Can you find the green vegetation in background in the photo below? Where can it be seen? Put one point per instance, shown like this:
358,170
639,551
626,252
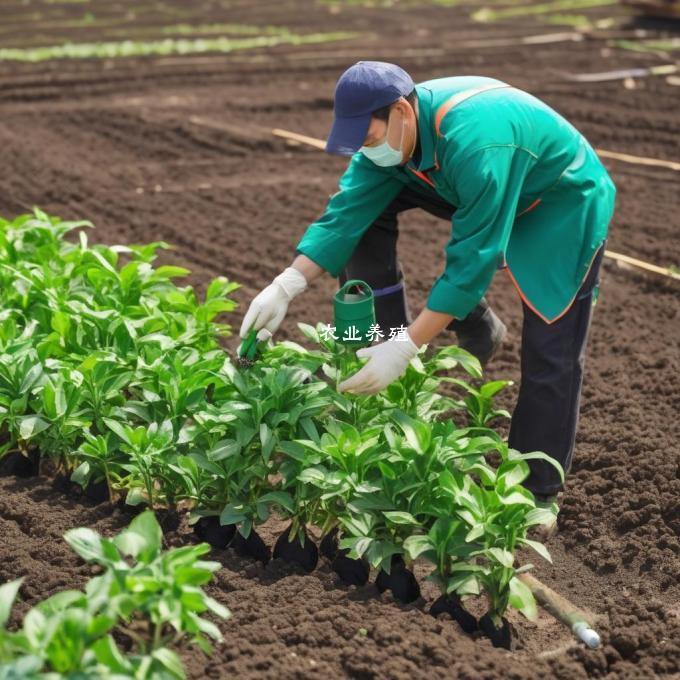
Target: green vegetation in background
410,4
234,29
88,19
574,20
397,4
578,21
140,33
485,14
138,48
655,46
506,9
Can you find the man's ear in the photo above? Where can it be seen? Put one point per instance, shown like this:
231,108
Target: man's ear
402,106
406,111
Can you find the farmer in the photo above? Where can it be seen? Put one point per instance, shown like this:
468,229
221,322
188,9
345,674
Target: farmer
525,192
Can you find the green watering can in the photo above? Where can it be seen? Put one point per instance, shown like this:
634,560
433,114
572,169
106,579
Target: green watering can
354,313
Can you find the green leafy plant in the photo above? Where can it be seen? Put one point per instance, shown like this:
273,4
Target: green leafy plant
148,449
322,474
473,543
406,486
479,403
117,374
152,598
280,405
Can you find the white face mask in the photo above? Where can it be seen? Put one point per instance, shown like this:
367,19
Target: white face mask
383,154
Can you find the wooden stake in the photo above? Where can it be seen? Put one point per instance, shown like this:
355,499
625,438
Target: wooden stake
639,160
642,265
662,70
555,603
302,139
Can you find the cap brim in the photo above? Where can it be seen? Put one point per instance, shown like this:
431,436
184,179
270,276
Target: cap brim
348,134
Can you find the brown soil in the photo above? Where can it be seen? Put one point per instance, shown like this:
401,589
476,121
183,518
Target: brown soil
180,149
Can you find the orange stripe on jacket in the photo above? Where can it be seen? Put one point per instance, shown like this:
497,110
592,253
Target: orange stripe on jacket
530,208
567,308
441,112
422,176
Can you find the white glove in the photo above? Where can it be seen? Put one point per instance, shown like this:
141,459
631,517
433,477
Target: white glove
386,362
269,307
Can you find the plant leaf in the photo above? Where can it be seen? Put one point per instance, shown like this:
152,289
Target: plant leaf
504,557
31,426
416,545
538,547
398,517
142,539
87,543
170,661
8,593
522,598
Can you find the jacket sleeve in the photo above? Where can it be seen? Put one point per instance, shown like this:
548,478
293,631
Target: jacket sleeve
488,183
365,191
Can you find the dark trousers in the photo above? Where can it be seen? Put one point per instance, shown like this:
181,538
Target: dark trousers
552,356
375,261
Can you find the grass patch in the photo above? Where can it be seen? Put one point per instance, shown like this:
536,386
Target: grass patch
485,14
655,46
573,20
169,46
232,29
397,4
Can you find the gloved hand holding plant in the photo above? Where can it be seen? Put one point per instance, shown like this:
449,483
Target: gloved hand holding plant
269,307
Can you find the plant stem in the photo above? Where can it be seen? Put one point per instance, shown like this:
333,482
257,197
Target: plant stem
158,630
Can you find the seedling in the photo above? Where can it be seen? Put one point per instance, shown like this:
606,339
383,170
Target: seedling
152,598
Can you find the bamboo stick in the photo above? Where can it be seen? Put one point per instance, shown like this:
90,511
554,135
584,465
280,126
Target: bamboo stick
303,139
627,259
662,70
576,619
639,160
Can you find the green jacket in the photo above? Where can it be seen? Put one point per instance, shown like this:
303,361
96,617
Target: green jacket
529,191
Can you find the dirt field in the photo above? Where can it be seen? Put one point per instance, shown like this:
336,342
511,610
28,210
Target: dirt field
179,148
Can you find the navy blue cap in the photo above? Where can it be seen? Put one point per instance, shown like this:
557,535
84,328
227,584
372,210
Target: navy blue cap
362,89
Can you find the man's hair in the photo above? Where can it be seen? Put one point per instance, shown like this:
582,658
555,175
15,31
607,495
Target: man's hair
383,113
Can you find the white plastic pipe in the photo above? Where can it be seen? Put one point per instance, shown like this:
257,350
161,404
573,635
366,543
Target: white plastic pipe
586,634
569,614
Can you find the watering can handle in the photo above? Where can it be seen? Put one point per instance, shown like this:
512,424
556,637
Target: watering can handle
355,282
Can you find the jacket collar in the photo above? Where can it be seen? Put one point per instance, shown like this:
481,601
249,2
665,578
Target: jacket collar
426,132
